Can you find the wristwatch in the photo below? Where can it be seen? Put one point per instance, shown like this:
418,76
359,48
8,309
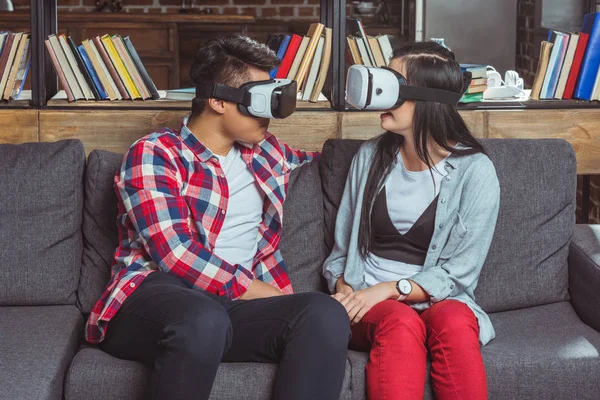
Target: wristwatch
404,287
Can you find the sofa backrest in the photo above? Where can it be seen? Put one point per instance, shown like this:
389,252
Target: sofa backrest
41,202
302,243
527,262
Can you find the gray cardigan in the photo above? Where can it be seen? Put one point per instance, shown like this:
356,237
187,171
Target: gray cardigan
465,221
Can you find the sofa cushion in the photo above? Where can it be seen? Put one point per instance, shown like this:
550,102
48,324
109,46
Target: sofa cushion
41,202
37,345
527,262
95,375
543,352
302,242
99,226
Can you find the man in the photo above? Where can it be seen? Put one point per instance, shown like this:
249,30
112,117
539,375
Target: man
198,277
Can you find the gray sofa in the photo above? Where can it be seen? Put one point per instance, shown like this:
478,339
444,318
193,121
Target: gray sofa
540,284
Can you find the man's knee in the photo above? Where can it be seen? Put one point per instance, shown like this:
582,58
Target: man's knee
326,317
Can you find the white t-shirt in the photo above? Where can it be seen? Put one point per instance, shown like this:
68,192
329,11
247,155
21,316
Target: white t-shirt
408,194
238,240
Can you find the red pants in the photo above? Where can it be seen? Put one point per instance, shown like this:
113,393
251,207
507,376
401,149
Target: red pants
398,338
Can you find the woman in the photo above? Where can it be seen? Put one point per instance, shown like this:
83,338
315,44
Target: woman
412,233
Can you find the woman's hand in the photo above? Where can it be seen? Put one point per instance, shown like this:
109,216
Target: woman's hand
357,304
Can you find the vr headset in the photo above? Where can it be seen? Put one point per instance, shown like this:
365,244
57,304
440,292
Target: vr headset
273,98
376,88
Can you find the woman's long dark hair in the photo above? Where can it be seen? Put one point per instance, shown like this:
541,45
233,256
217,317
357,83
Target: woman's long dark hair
427,64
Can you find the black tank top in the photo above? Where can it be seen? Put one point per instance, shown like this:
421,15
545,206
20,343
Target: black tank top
411,247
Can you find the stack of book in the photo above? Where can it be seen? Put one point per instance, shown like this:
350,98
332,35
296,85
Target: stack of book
373,51
15,58
304,59
102,68
478,83
569,64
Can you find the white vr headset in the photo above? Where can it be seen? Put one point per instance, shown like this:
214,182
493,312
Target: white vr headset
272,98
376,88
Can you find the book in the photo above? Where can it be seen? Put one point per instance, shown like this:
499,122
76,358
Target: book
96,61
120,67
596,89
357,29
19,54
298,58
141,69
85,89
131,68
10,61
288,58
324,67
477,70
386,48
567,64
274,41
591,59
545,51
559,50
3,36
476,89
280,53
111,68
576,67
102,95
59,72
64,64
185,94
377,53
353,48
314,70
362,50
314,33
22,72
4,57
479,81
84,70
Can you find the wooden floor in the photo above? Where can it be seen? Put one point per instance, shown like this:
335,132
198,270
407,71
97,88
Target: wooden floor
115,130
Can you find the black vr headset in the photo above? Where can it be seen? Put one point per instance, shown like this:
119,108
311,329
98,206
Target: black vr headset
376,88
272,98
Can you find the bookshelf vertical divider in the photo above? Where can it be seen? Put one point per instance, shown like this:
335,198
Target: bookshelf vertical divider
333,15
43,79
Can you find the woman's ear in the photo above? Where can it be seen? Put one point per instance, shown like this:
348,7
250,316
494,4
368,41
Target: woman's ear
217,105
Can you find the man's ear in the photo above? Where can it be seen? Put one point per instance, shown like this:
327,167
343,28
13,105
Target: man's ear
217,105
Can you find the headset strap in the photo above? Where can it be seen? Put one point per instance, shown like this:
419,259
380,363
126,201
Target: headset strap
223,92
429,94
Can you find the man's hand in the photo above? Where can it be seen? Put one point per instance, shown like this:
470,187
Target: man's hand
258,290
357,304
341,287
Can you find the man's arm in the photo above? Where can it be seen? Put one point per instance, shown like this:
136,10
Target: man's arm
149,189
293,156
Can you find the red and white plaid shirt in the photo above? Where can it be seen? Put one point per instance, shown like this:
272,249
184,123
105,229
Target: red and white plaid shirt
172,196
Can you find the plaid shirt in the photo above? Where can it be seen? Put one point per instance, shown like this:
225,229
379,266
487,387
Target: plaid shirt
172,196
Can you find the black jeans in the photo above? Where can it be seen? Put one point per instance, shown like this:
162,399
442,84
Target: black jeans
185,333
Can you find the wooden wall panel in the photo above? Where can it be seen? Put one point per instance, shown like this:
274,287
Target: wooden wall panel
18,126
365,125
579,127
115,130
112,130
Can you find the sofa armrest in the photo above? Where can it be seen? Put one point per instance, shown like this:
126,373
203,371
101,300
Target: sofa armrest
584,273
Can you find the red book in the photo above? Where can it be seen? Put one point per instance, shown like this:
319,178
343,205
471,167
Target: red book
288,58
574,74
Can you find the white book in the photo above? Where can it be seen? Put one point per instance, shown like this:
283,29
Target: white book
107,74
362,49
10,61
298,58
386,48
596,89
64,65
566,69
85,88
314,70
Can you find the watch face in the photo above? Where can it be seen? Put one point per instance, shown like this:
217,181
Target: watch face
404,286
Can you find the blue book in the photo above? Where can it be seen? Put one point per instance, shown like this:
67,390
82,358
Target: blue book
591,60
92,71
557,58
280,53
20,90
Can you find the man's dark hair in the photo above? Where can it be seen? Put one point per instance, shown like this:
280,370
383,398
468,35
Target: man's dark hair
226,61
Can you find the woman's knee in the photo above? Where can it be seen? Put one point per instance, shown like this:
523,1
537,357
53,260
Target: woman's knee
397,318
450,316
